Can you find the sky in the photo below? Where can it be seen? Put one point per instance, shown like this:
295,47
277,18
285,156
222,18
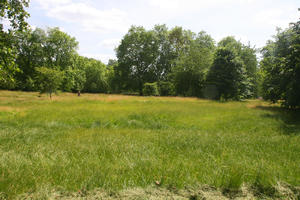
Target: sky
99,25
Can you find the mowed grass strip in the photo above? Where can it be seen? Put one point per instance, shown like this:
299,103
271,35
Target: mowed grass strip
117,142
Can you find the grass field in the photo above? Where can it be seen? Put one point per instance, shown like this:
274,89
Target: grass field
115,143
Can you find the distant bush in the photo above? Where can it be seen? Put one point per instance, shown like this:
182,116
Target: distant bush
150,89
166,88
130,92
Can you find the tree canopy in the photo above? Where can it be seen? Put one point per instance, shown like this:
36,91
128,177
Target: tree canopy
14,12
280,67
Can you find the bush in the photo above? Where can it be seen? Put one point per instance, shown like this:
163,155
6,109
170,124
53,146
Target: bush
166,88
150,89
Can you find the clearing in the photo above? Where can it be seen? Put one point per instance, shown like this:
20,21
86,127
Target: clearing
128,147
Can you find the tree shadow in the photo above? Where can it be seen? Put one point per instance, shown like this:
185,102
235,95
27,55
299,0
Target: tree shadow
290,119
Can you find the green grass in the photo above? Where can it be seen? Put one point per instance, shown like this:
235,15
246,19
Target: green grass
116,142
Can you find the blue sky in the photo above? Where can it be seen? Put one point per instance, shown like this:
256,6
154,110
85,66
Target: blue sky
100,25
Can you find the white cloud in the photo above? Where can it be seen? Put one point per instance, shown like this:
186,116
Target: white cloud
46,4
110,43
192,5
102,57
277,17
245,19
88,17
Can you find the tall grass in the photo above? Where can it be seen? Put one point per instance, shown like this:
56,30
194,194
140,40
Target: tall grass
117,142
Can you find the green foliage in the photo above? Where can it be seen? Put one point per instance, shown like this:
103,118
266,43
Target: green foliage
113,84
166,88
247,55
45,48
14,12
59,48
136,55
29,85
68,82
74,80
234,72
181,57
79,79
280,67
49,80
191,67
8,67
148,56
31,54
162,55
177,58
96,80
226,74
150,89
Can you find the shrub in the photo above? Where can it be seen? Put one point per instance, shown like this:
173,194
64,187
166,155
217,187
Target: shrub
150,89
166,88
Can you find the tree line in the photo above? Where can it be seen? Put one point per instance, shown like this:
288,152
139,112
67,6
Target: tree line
160,61
184,63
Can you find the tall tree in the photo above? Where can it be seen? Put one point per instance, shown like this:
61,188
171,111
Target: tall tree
14,12
136,58
192,66
280,67
51,48
59,48
165,57
149,56
31,54
95,73
226,74
247,55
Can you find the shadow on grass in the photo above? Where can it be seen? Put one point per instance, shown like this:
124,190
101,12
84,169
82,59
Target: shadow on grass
289,119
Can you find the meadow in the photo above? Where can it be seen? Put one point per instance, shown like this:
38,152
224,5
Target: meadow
115,143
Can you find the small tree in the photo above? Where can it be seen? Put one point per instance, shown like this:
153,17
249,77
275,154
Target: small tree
79,80
49,80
